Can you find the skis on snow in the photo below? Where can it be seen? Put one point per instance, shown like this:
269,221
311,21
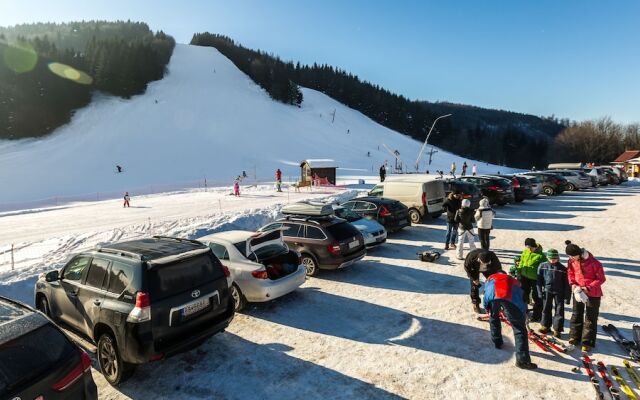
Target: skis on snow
628,345
632,373
623,384
544,342
586,361
604,374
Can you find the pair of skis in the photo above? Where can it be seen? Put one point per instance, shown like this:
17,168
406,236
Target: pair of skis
629,346
612,391
544,342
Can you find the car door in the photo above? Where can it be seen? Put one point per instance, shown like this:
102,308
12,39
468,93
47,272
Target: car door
65,295
91,294
293,235
221,251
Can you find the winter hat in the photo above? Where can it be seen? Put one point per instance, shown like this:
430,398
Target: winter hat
484,202
552,253
466,203
530,242
572,249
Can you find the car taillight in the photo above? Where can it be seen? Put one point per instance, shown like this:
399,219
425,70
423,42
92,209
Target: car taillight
260,274
226,271
156,357
334,249
384,211
142,311
496,188
515,183
76,373
424,199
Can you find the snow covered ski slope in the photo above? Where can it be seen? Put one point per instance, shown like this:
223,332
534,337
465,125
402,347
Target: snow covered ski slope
204,119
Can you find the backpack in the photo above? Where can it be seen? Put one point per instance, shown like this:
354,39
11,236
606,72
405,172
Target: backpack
428,256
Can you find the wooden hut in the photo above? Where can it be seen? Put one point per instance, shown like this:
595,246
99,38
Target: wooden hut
322,171
629,160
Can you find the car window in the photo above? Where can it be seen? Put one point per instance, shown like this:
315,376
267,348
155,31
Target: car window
119,277
350,205
377,190
314,233
360,206
97,272
272,226
220,251
293,230
73,271
370,206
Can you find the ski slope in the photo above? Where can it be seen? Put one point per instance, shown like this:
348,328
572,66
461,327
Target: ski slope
205,119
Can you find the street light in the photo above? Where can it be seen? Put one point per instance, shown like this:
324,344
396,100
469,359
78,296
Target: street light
427,139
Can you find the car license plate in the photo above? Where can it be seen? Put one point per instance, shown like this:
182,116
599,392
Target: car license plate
354,244
195,307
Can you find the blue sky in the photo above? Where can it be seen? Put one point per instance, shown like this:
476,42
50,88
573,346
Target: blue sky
575,59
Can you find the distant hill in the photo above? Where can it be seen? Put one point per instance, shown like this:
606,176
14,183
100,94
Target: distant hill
495,136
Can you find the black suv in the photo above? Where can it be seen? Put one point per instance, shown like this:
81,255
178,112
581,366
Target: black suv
468,191
497,190
390,213
324,242
37,361
139,301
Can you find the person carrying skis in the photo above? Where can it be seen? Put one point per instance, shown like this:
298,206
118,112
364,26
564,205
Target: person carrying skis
474,170
478,262
279,180
484,220
236,187
126,199
502,293
451,205
586,277
453,169
464,168
554,290
530,259
464,218
383,172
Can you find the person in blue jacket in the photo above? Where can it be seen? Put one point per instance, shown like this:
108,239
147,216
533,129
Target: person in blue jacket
503,294
554,290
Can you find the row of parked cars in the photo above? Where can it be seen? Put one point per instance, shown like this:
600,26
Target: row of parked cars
145,300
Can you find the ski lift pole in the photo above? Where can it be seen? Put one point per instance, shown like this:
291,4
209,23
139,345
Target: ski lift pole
427,139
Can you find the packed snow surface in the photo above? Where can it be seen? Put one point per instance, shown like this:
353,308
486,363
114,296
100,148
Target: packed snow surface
204,120
388,327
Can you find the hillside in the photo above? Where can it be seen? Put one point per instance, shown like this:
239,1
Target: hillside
204,119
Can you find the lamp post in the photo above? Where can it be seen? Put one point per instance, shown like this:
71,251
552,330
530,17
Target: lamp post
427,139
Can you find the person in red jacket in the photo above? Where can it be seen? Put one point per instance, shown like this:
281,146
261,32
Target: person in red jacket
586,277
279,180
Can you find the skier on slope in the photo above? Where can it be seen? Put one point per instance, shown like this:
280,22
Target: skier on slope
453,169
554,290
478,262
503,293
464,168
236,187
474,170
464,218
383,172
586,277
279,180
126,199
530,259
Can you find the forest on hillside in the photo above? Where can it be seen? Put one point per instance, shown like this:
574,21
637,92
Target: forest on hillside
496,136
48,70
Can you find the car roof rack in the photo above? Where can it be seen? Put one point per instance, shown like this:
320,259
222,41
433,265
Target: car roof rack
308,218
308,208
181,240
119,252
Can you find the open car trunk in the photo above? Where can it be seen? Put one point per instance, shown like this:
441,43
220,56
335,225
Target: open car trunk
269,249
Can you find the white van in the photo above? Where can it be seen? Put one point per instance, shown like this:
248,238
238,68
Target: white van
422,194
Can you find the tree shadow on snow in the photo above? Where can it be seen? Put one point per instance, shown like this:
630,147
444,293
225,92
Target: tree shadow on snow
329,314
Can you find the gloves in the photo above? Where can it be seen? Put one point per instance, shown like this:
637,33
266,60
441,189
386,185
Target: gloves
580,295
513,271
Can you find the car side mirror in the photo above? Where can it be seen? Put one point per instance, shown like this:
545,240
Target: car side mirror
52,276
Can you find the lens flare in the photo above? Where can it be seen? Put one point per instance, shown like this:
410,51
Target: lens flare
20,58
67,72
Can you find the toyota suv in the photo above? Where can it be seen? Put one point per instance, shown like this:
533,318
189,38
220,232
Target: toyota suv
139,301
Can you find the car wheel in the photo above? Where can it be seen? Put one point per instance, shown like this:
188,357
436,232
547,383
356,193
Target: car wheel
414,216
310,265
113,368
238,298
548,190
43,306
571,187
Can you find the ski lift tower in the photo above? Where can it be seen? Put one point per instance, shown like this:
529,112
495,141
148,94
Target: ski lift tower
427,139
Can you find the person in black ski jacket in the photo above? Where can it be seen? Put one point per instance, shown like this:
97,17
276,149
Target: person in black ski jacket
383,172
553,287
464,218
480,261
451,205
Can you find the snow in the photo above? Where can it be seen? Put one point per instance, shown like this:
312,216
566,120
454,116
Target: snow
204,125
387,327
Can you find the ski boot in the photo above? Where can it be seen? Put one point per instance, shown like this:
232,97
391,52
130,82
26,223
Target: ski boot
543,330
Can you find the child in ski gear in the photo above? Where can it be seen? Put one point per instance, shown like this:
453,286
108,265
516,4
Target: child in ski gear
279,180
530,259
451,205
474,170
464,218
554,290
126,199
236,187
503,293
484,220
585,275
383,172
478,262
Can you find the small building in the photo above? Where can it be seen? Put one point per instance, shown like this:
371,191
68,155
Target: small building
323,170
630,161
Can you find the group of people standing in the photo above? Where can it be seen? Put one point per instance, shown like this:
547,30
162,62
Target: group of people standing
460,220
452,171
540,280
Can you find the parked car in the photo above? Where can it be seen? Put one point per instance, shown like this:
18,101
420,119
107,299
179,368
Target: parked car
595,175
521,187
390,213
261,265
599,173
323,240
468,190
497,190
422,194
615,175
37,360
374,234
551,184
139,301
536,184
619,170
576,179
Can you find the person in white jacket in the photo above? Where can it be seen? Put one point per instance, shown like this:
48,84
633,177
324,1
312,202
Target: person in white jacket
484,220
